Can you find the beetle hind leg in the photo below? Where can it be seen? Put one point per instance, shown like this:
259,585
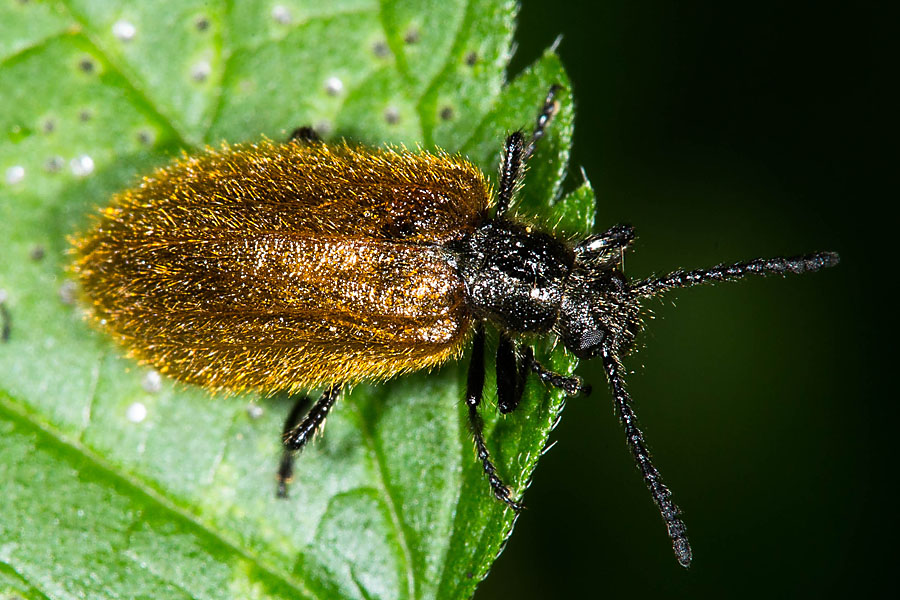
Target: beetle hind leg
512,373
297,432
286,466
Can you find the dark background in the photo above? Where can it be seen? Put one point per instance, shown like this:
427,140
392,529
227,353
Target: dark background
724,132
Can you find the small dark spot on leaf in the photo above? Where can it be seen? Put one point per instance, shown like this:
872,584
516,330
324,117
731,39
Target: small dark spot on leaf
86,65
380,49
392,115
145,137
471,58
447,113
54,164
201,24
48,126
37,252
412,36
85,116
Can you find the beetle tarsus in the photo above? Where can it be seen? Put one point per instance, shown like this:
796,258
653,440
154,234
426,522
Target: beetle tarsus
571,385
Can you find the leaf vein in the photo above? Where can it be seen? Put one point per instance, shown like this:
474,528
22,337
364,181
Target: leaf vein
390,501
181,136
23,578
151,494
35,46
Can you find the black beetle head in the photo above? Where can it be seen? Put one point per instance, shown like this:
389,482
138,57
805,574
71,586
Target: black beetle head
597,309
598,306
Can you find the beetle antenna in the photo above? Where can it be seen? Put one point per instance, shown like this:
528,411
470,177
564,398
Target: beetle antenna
671,514
760,266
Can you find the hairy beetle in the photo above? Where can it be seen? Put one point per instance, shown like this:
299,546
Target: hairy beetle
302,265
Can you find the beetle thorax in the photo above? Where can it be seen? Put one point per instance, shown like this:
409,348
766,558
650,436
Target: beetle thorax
514,276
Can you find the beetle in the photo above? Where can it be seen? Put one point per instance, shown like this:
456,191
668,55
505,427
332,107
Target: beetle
302,265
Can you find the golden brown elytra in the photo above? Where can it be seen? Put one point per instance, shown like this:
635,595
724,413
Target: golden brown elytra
286,266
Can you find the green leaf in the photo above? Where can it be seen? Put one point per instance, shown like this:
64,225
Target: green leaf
98,502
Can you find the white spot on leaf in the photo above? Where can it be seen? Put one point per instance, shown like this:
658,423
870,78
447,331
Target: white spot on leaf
124,30
15,174
136,413
334,86
82,165
152,382
201,70
281,14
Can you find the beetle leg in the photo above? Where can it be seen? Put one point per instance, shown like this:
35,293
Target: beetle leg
611,241
296,436
571,385
512,372
305,134
546,114
510,171
474,390
516,152
286,467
